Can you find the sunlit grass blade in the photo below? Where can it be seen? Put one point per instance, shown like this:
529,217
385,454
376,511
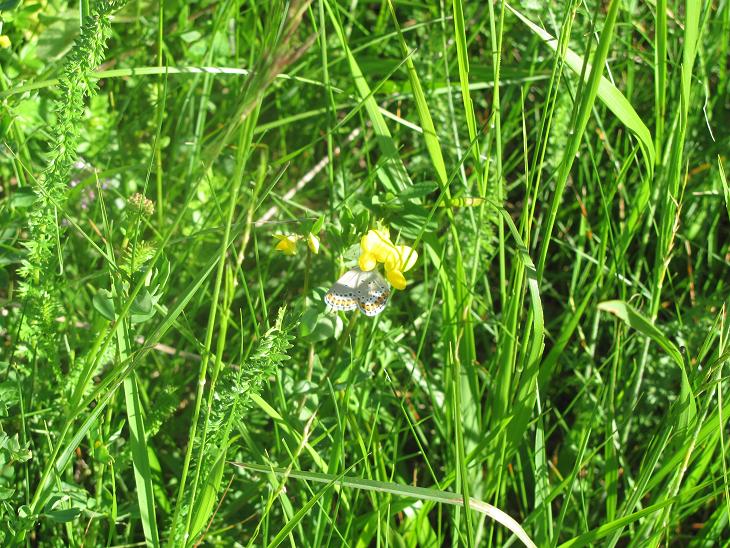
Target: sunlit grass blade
421,493
660,72
590,538
608,93
392,174
523,395
725,187
107,387
430,135
142,472
544,528
463,64
635,320
559,350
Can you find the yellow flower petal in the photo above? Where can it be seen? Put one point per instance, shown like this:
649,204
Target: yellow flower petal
367,262
386,253
383,234
396,279
287,243
368,242
313,243
407,257
374,239
377,247
391,262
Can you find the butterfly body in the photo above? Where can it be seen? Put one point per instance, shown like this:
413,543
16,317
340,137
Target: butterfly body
367,291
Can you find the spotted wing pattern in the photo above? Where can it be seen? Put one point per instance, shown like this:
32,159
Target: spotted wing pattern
367,291
343,295
373,294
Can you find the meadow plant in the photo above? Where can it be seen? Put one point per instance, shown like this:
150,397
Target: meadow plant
341,273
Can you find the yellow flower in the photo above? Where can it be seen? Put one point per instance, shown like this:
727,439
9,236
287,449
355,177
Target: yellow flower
367,262
287,243
377,243
399,262
404,258
4,41
396,278
376,247
313,243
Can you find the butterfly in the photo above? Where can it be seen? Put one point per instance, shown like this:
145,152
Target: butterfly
367,291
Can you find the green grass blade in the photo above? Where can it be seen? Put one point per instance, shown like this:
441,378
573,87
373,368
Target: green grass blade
544,526
635,320
660,72
393,173
725,187
421,493
140,461
430,135
112,381
463,63
609,94
157,71
526,394
207,497
590,538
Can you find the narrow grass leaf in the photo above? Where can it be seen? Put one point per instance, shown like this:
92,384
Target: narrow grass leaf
421,493
609,94
205,501
106,389
140,461
393,174
635,320
725,187
462,56
430,135
590,538
526,392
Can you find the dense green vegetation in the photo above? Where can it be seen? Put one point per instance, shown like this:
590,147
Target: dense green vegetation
181,183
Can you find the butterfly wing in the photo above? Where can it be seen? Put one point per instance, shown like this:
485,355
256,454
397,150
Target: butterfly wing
343,294
367,291
372,293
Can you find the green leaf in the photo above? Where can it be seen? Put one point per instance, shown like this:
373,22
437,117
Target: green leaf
725,188
59,36
590,538
392,173
9,5
106,390
418,190
424,114
634,319
104,303
25,512
315,326
23,198
63,515
203,506
318,225
526,396
140,458
412,220
142,308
